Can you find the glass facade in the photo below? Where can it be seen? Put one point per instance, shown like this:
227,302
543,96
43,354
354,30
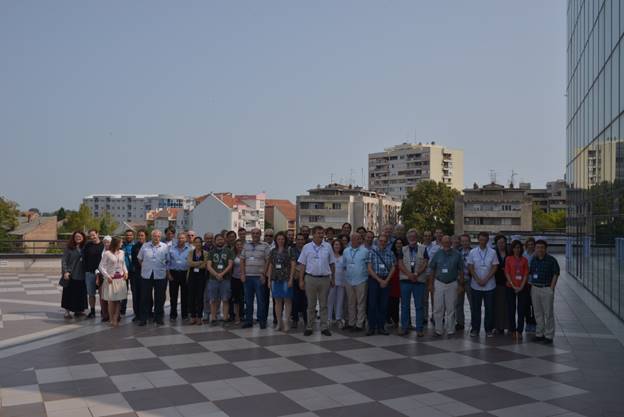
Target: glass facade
595,148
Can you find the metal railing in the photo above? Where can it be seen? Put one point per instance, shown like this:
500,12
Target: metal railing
15,248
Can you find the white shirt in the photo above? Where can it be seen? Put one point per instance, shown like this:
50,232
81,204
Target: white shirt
154,260
482,260
317,258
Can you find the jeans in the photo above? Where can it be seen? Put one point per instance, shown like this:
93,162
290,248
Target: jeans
178,284
300,304
516,303
253,287
196,288
135,286
159,288
377,304
415,290
487,299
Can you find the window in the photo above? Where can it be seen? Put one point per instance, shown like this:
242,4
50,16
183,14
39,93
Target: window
316,219
336,206
318,206
304,205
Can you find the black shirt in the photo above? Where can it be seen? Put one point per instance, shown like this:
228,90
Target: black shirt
136,265
92,256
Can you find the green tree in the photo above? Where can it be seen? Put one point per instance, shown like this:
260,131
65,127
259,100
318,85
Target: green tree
108,225
81,220
8,222
542,221
429,206
60,214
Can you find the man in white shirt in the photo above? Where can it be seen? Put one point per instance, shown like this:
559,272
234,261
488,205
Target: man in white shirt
153,256
316,276
482,264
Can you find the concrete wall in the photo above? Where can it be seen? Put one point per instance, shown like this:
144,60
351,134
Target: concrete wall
211,216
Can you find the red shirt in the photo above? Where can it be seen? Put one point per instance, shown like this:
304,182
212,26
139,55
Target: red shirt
517,269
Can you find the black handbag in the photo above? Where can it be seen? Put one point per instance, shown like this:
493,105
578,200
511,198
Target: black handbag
64,282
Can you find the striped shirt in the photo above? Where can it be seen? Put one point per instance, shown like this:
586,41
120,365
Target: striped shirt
256,256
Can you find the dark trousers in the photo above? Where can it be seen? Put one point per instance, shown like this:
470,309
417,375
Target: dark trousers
517,303
178,285
529,315
135,286
157,287
487,299
253,287
300,304
378,299
393,310
196,287
266,294
501,321
124,302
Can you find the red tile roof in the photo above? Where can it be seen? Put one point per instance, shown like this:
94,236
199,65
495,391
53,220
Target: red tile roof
287,208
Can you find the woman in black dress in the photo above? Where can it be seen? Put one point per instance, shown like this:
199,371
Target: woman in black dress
74,297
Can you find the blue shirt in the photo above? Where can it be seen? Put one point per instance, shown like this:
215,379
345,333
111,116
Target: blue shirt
127,249
447,265
154,260
382,260
178,257
542,271
355,262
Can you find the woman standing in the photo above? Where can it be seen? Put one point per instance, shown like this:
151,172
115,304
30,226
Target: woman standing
114,276
281,272
501,322
196,277
237,285
395,286
74,298
517,273
335,298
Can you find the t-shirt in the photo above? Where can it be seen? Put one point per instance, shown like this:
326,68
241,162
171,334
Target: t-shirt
92,256
517,269
281,264
220,258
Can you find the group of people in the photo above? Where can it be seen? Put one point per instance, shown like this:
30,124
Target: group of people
350,279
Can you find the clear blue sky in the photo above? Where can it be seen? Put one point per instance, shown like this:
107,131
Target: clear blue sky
245,96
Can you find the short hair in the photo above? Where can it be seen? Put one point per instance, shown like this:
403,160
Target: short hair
93,230
499,237
317,228
347,224
299,234
330,229
530,240
361,229
242,229
484,234
128,231
464,235
230,233
219,235
541,242
515,243
142,231
170,229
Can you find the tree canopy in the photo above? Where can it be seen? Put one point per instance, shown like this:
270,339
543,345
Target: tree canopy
429,206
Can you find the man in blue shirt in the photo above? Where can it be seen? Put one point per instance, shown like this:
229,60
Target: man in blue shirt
543,274
355,261
176,274
381,264
153,257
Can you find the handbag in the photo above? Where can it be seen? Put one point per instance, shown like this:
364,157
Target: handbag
64,282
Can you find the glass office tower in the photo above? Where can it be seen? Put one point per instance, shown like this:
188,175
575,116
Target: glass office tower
595,148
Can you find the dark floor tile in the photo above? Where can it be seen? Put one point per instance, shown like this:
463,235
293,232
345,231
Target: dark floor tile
58,359
181,395
208,336
239,355
16,379
59,390
133,366
294,380
274,340
211,373
343,344
147,399
372,409
179,349
494,355
387,388
491,373
488,397
414,349
321,360
266,405
96,386
585,404
26,410
403,366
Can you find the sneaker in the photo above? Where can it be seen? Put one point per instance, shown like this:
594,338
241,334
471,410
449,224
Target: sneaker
307,332
214,323
326,332
357,329
437,334
474,333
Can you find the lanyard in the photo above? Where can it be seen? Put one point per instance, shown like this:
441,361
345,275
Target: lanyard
317,251
413,254
482,256
353,254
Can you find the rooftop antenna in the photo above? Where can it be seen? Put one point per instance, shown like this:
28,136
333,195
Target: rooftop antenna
513,177
362,184
492,176
331,178
351,180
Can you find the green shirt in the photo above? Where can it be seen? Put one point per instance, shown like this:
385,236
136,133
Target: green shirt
447,265
219,258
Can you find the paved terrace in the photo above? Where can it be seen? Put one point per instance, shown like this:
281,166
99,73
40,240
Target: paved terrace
49,367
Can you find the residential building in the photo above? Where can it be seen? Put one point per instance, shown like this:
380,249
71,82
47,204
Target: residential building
134,207
549,199
32,226
281,214
398,169
335,204
215,212
595,150
493,208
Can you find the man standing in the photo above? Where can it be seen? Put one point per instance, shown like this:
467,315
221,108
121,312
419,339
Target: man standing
543,274
92,255
381,264
230,239
413,281
126,247
305,231
253,275
242,234
268,237
135,276
220,263
153,257
316,276
300,302
176,274
447,268
432,247
355,259
169,236
529,253
482,264
464,287
208,241
369,240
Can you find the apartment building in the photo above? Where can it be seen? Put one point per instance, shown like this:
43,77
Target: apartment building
134,207
335,204
215,212
398,169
